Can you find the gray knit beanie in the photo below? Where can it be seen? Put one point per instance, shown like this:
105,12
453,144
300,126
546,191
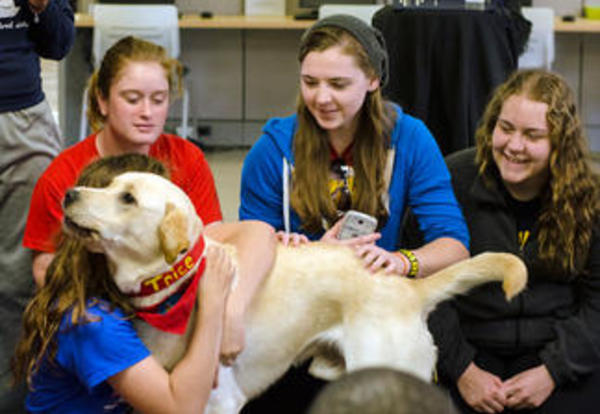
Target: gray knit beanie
368,36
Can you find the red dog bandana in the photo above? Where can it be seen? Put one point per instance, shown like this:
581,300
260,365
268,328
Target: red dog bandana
172,314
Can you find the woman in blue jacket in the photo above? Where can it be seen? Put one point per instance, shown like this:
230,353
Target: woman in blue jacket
347,148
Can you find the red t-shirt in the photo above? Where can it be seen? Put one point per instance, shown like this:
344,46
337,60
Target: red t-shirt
186,164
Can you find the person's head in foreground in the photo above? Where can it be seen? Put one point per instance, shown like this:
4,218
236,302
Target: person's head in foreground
381,391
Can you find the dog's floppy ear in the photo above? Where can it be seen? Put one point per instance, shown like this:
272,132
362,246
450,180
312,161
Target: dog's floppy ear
172,233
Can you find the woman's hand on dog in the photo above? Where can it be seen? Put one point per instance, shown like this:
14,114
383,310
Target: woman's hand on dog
215,284
291,239
234,338
217,278
375,259
214,289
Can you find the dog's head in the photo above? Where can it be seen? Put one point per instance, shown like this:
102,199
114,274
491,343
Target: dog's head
141,221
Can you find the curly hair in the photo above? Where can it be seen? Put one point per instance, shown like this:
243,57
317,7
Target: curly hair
570,203
76,278
128,49
309,196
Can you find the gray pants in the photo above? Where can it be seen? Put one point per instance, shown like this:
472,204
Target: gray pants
29,139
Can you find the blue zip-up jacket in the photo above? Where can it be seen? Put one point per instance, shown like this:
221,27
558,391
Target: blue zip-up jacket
419,179
25,37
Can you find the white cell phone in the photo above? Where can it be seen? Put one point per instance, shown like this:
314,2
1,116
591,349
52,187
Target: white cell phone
356,224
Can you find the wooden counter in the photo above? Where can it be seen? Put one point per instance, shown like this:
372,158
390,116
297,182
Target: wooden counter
222,22
580,25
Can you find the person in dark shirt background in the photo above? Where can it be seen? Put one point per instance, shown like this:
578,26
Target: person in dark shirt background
29,139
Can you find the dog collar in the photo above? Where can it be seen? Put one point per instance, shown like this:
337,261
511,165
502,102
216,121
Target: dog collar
180,269
173,314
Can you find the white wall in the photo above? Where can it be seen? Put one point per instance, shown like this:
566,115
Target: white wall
561,7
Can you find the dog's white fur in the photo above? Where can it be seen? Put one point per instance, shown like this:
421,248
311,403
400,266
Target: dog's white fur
318,301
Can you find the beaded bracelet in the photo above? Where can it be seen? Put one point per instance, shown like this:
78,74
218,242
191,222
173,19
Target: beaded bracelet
414,262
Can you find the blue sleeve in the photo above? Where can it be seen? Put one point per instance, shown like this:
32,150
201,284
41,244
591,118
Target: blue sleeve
100,349
430,193
261,192
54,33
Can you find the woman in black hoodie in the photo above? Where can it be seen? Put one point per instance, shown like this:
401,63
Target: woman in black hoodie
528,188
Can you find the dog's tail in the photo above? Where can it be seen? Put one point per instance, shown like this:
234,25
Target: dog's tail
462,276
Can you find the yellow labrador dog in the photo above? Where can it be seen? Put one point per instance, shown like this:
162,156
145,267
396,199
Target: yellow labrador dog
318,301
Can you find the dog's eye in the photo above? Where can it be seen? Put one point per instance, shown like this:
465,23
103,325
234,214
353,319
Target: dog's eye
127,198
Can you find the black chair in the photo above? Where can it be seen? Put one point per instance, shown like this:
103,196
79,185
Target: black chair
446,62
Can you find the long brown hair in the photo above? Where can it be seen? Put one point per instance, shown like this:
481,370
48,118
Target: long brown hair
117,57
310,196
570,203
75,276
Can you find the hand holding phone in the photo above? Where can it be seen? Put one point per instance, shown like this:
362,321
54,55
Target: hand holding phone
356,224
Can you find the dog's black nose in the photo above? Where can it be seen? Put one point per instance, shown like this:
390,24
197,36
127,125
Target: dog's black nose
70,197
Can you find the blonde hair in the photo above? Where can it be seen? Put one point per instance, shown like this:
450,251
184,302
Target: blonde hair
570,203
74,277
117,57
311,149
